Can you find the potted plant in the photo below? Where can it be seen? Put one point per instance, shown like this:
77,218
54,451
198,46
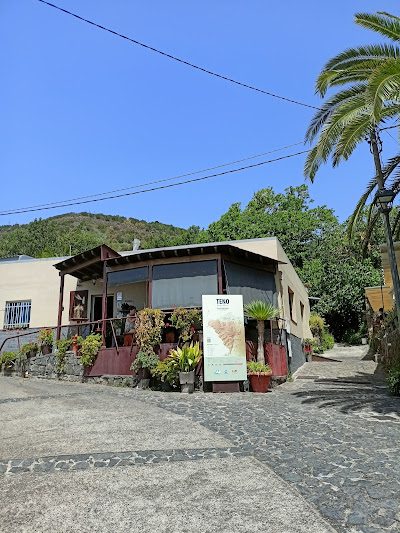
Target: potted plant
63,345
90,347
260,311
144,363
167,373
7,362
46,339
259,376
185,321
186,359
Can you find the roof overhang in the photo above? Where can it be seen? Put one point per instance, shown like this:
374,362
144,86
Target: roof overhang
87,265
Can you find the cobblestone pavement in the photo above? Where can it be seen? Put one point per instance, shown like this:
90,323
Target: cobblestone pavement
333,435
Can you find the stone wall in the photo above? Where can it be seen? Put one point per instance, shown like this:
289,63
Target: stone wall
46,366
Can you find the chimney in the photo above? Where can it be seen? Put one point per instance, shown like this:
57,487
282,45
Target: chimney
135,244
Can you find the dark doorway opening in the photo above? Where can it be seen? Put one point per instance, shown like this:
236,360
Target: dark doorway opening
97,310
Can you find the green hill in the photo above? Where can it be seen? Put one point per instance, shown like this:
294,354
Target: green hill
76,232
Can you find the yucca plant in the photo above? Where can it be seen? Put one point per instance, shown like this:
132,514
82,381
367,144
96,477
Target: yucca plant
261,311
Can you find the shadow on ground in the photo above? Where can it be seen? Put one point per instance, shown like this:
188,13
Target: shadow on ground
352,394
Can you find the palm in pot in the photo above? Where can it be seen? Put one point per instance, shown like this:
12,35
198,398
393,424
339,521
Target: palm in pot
260,311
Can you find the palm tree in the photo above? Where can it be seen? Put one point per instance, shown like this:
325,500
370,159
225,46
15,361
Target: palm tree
260,311
370,80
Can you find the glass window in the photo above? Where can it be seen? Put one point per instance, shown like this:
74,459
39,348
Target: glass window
252,283
17,314
183,284
131,275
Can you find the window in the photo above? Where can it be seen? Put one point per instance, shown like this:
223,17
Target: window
302,310
291,304
17,314
183,284
252,283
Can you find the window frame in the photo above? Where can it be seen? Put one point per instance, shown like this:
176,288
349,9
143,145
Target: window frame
17,309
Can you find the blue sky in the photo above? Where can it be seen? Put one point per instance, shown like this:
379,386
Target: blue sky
84,112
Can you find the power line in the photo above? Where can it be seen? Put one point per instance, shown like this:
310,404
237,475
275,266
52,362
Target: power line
61,202
160,187
178,59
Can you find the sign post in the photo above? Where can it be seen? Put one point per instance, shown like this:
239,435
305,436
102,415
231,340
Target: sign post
224,345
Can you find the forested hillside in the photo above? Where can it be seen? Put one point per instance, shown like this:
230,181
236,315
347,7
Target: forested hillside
334,269
75,232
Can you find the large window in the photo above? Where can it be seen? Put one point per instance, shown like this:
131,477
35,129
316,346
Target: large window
130,275
183,284
17,314
252,283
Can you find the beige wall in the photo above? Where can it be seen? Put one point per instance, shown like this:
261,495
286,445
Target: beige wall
285,278
36,280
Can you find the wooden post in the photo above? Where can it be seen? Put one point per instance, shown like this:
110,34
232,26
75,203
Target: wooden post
60,306
219,275
104,304
150,287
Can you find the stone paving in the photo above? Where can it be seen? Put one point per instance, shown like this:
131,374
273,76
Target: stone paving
333,435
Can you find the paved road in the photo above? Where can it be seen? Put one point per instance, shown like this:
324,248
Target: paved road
317,455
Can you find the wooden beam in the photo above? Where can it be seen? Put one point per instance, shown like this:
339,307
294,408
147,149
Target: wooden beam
60,306
104,304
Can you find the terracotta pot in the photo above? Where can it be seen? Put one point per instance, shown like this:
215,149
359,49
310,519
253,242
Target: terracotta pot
260,382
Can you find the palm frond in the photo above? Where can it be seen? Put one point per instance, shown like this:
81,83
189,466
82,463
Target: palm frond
260,310
351,136
338,99
384,86
384,23
360,207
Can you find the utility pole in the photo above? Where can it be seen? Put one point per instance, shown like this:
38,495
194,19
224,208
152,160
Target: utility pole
385,207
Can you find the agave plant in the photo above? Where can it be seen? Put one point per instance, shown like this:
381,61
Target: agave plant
260,311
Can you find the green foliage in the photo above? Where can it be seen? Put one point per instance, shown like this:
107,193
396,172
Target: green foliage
90,348
260,310
166,371
393,380
147,360
317,324
30,348
8,359
185,321
253,367
186,358
63,345
327,340
46,337
148,330
77,232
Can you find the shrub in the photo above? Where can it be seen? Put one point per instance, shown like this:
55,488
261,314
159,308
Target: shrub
393,380
46,337
185,321
327,340
63,346
148,330
29,348
90,348
8,359
144,359
166,371
317,325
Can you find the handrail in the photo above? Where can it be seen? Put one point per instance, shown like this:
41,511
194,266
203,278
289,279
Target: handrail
73,324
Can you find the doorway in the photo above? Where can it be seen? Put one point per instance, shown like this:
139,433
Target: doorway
97,307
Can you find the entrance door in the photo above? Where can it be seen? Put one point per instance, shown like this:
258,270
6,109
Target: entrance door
97,307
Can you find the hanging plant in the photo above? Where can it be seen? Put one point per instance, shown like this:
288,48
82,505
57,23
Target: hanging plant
186,321
148,329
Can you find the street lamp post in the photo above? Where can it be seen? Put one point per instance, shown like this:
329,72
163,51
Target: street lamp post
384,202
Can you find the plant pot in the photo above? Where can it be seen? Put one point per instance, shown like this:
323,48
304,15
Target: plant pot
260,382
8,370
186,380
46,349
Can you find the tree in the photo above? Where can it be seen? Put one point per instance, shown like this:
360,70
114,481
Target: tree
260,311
370,76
